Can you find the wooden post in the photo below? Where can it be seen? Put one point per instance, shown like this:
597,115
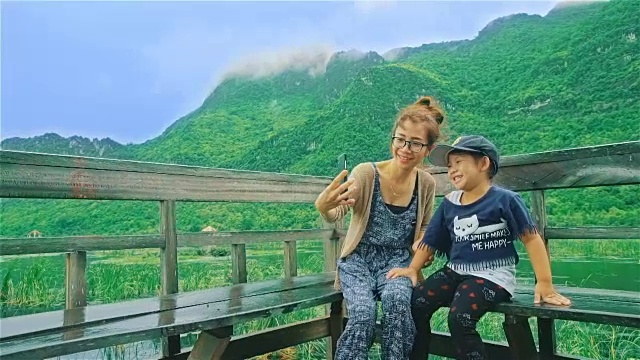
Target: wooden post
211,344
239,263
546,328
519,337
335,309
76,280
290,259
169,265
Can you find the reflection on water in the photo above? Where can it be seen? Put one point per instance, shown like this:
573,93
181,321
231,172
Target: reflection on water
613,274
138,350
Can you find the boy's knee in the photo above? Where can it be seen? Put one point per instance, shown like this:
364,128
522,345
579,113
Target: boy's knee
419,298
460,322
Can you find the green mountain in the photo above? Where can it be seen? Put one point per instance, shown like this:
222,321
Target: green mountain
530,83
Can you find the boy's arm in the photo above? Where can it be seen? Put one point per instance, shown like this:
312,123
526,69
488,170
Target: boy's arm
413,272
544,290
421,256
415,247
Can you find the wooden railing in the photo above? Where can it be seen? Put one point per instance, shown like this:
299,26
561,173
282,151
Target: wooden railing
45,176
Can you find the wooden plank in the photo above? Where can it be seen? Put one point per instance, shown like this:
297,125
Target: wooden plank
280,337
86,162
272,339
211,344
614,164
519,337
183,320
582,309
331,249
546,338
336,321
169,265
44,245
20,179
76,280
589,293
239,263
290,259
539,214
20,327
22,245
250,237
593,233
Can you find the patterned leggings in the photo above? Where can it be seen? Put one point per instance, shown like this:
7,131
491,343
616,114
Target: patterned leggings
469,297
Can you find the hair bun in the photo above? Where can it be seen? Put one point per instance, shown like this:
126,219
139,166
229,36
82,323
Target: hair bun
425,101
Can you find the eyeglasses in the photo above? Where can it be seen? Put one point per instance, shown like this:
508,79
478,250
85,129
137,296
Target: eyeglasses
414,146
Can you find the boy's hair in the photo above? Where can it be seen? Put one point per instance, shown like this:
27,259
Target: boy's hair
474,144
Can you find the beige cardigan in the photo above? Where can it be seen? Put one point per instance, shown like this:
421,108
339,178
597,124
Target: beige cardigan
364,176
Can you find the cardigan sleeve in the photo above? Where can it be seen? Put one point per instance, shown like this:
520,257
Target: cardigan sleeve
429,198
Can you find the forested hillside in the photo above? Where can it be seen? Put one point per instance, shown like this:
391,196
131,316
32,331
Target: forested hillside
530,83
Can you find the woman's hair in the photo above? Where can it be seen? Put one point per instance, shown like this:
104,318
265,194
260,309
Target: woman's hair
425,110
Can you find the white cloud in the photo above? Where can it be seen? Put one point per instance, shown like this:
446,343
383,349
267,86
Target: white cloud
311,58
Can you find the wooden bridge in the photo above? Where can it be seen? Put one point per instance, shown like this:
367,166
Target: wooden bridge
214,312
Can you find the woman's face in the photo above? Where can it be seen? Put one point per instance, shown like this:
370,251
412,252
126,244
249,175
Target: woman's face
409,144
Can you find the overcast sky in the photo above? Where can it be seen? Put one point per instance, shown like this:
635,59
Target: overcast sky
127,70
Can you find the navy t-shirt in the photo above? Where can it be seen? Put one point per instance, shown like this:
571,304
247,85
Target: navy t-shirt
480,235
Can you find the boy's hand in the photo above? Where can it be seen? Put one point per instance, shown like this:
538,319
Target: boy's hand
411,273
544,292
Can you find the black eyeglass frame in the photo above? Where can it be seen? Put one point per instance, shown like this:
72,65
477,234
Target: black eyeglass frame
408,143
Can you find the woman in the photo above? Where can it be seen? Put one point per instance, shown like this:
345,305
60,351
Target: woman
392,203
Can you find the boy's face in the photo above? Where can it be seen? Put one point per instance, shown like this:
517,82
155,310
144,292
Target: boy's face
466,171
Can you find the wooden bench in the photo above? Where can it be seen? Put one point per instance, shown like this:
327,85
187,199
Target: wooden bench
212,312
589,305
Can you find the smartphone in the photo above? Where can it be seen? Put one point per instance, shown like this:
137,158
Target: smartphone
342,164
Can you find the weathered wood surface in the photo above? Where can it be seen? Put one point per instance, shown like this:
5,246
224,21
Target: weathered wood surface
272,339
21,327
75,280
211,315
211,344
250,237
44,245
34,175
290,259
169,265
238,263
59,176
593,233
614,164
593,305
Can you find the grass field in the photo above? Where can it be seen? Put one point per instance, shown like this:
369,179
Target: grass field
36,283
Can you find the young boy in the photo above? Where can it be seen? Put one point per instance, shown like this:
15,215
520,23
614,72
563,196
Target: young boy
475,227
